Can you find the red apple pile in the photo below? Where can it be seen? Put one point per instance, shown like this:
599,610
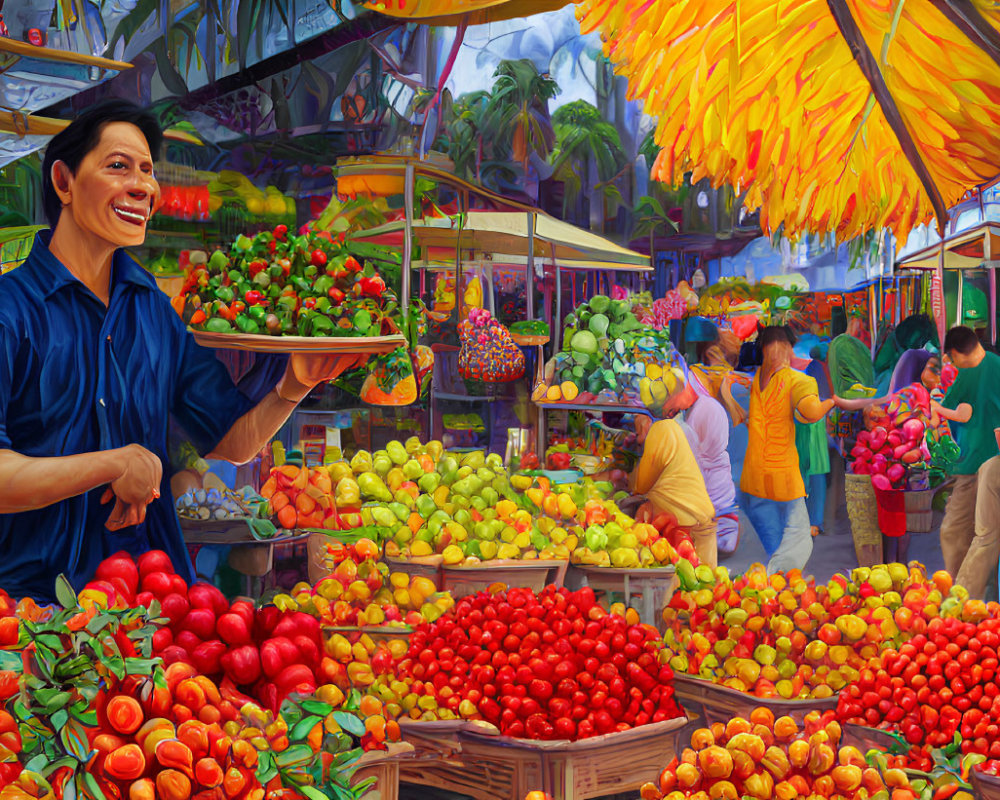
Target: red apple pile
894,443
941,682
553,665
267,652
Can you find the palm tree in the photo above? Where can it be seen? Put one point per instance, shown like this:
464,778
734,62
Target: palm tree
583,138
490,136
518,110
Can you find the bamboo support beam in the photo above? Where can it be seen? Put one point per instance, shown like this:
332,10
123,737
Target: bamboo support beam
30,125
26,50
869,66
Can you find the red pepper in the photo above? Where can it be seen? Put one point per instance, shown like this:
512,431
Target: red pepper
336,294
198,317
318,258
242,664
272,246
309,302
255,267
352,264
280,231
253,297
237,307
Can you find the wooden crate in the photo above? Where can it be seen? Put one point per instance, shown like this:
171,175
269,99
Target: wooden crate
425,566
531,574
720,703
473,759
595,767
987,787
645,590
383,765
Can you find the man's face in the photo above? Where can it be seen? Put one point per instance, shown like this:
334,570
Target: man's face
113,193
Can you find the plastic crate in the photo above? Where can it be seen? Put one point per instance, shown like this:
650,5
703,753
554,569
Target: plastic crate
528,574
720,703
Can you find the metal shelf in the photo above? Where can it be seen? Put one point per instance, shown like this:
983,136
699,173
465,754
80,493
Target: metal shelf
614,408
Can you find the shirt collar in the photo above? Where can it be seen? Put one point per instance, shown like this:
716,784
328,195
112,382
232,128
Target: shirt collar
53,274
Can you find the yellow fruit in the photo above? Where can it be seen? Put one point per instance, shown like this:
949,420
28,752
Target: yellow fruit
553,394
399,580
569,390
453,554
421,548
567,508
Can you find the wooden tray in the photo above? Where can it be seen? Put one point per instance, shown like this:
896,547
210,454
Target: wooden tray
230,531
426,566
720,703
532,574
528,341
263,343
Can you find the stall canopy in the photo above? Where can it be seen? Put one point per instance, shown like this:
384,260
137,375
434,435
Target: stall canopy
510,236
833,115
469,12
966,250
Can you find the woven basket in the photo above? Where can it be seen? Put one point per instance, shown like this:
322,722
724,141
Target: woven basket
919,513
862,510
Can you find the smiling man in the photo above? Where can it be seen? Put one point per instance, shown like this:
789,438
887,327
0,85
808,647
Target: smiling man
93,362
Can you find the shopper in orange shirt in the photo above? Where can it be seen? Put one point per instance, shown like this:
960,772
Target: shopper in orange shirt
774,494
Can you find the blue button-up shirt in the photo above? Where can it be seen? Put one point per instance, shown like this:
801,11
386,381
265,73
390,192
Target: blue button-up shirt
79,377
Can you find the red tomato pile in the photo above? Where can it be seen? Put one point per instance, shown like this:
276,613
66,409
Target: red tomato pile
549,666
763,757
939,683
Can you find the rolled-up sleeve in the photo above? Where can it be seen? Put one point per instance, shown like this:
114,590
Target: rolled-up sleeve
206,402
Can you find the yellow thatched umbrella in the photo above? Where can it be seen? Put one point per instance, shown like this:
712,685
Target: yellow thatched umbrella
454,12
835,115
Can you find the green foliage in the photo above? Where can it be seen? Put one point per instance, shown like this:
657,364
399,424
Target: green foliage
68,660
490,135
302,769
582,134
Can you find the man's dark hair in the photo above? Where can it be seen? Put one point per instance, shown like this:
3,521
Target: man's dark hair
775,333
962,339
73,143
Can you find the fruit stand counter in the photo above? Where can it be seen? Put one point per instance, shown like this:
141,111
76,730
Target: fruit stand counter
647,590
473,759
